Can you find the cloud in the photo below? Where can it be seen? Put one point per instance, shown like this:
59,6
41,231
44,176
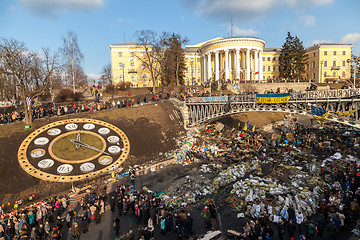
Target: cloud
124,20
351,38
308,20
93,76
52,8
244,32
316,41
248,9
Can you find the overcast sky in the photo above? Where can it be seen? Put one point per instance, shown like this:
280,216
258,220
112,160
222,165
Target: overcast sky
99,23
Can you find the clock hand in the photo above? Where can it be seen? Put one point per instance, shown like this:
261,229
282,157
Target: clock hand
78,139
87,146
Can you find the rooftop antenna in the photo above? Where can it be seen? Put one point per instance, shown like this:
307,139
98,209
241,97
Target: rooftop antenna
231,27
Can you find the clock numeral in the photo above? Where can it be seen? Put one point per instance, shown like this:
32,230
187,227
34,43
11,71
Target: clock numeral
64,169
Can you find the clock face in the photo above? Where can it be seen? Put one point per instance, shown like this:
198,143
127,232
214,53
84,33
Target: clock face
73,150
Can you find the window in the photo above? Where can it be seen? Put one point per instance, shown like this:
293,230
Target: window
131,54
186,70
274,59
144,78
143,54
121,66
343,52
334,74
268,59
325,74
263,68
143,66
192,70
198,59
343,64
263,59
334,53
334,63
325,63
186,59
313,54
121,78
313,75
274,68
191,59
269,68
119,54
132,78
198,69
325,53
343,74
313,65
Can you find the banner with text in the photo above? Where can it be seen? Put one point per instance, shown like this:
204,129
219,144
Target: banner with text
273,98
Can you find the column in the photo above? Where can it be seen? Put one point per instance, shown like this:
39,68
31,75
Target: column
203,68
256,63
216,63
243,60
226,65
261,72
237,65
209,66
247,64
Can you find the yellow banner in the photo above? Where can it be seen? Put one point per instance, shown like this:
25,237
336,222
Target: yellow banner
346,113
270,100
321,118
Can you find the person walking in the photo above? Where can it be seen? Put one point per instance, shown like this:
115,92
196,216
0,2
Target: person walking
116,224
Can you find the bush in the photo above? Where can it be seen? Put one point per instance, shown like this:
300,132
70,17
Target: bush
63,95
77,96
67,94
123,86
110,88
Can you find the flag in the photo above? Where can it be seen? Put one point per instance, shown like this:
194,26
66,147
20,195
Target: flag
245,127
319,114
239,124
346,113
253,129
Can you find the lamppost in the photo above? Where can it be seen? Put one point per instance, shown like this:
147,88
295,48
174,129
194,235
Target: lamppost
356,62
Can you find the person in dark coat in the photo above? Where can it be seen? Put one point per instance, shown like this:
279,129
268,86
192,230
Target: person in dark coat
291,213
85,224
116,224
281,229
291,228
188,226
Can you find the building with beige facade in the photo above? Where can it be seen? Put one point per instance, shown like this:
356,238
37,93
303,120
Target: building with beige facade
235,59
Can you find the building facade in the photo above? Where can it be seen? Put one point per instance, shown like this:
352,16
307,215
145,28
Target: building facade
235,59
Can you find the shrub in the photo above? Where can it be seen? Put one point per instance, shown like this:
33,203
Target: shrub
123,86
77,96
63,95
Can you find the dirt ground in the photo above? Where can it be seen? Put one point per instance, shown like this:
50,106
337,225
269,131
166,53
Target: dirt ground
149,129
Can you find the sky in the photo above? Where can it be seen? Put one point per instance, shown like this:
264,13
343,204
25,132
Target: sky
100,23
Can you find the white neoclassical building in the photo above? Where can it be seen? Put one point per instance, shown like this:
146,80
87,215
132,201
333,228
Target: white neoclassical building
234,58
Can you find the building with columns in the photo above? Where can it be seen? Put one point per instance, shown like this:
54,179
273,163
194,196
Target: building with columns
235,59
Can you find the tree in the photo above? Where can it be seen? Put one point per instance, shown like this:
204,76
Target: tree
174,66
31,72
72,58
293,58
151,47
106,75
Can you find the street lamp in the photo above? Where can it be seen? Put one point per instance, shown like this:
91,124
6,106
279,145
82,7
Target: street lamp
356,62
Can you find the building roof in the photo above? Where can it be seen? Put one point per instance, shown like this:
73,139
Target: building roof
124,44
272,49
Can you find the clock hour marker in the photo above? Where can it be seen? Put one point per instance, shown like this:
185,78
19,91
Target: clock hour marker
89,126
113,139
41,141
104,131
105,160
114,149
46,163
87,167
71,126
64,168
36,153
54,131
